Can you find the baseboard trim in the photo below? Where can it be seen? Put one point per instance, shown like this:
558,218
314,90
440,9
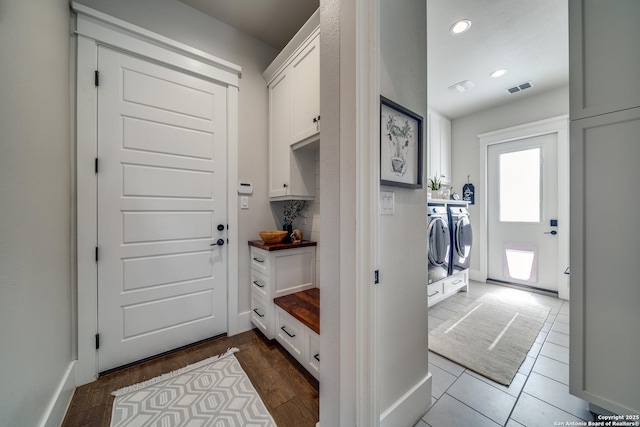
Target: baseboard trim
475,275
57,409
244,322
407,410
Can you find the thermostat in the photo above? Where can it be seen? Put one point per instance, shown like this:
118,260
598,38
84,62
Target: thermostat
245,188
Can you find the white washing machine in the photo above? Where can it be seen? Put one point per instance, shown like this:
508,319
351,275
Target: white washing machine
461,238
439,243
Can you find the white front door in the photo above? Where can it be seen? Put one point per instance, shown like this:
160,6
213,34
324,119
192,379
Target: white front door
522,203
161,196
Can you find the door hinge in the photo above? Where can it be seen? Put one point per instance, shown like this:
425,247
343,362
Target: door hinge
97,341
96,165
96,254
97,78
376,277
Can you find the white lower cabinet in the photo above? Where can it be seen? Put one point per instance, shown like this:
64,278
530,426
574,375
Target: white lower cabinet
261,314
275,273
300,341
447,287
312,353
434,292
289,334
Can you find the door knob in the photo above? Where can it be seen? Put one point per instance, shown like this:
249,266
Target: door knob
552,232
220,242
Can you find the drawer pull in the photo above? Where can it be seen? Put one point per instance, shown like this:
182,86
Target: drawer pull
286,332
457,281
317,357
255,282
258,260
435,293
255,310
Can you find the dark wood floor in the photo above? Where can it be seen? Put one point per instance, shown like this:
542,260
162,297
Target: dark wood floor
287,390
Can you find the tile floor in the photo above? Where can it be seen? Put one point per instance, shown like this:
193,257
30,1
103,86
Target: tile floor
538,395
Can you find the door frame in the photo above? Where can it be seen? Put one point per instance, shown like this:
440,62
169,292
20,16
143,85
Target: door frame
555,125
95,28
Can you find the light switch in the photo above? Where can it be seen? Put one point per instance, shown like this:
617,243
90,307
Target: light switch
244,202
387,203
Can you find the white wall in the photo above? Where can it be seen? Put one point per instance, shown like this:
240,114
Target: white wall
402,237
465,152
35,208
182,23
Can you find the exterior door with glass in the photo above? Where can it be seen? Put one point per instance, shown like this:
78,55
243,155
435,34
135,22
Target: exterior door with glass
522,212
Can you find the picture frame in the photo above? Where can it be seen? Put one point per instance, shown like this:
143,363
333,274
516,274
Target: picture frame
401,145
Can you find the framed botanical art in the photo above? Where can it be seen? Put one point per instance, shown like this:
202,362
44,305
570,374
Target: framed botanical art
400,145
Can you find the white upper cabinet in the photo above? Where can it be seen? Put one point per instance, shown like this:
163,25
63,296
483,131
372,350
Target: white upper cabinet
305,75
279,131
293,80
439,147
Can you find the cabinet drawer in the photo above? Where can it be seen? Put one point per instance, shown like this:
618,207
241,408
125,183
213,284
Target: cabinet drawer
434,292
289,333
261,315
312,353
453,284
259,283
260,260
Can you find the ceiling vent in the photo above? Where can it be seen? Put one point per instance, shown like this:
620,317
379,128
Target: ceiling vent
520,87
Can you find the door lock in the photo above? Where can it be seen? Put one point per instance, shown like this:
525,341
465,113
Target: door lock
220,227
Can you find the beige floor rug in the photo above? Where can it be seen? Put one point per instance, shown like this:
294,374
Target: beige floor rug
491,336
215,392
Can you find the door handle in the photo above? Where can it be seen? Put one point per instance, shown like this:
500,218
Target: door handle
552,232
220,242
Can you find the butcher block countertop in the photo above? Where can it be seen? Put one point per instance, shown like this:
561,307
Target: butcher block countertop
304,306
280,246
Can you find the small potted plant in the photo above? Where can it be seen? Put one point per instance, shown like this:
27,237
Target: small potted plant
292,210
435,183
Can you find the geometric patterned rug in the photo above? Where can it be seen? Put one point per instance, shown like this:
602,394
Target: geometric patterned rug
214,392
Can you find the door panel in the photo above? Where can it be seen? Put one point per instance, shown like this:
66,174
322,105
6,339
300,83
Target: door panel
522,199
161,194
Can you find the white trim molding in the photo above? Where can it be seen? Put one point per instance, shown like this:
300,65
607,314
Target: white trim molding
368,194
412,402
57,409
95,28
556,125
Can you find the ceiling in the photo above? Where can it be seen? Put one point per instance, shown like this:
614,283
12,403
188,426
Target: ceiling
274,22
528,38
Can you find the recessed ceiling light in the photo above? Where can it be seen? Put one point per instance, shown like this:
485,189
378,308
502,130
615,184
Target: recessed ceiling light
498,73
462,86
460,26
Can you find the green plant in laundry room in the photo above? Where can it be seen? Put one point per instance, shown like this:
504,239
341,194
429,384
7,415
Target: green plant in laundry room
435,182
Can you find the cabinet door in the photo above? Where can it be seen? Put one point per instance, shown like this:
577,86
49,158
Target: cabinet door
445,150
279,135
293,270
603,39
434,145
305,74
439,150
605,242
